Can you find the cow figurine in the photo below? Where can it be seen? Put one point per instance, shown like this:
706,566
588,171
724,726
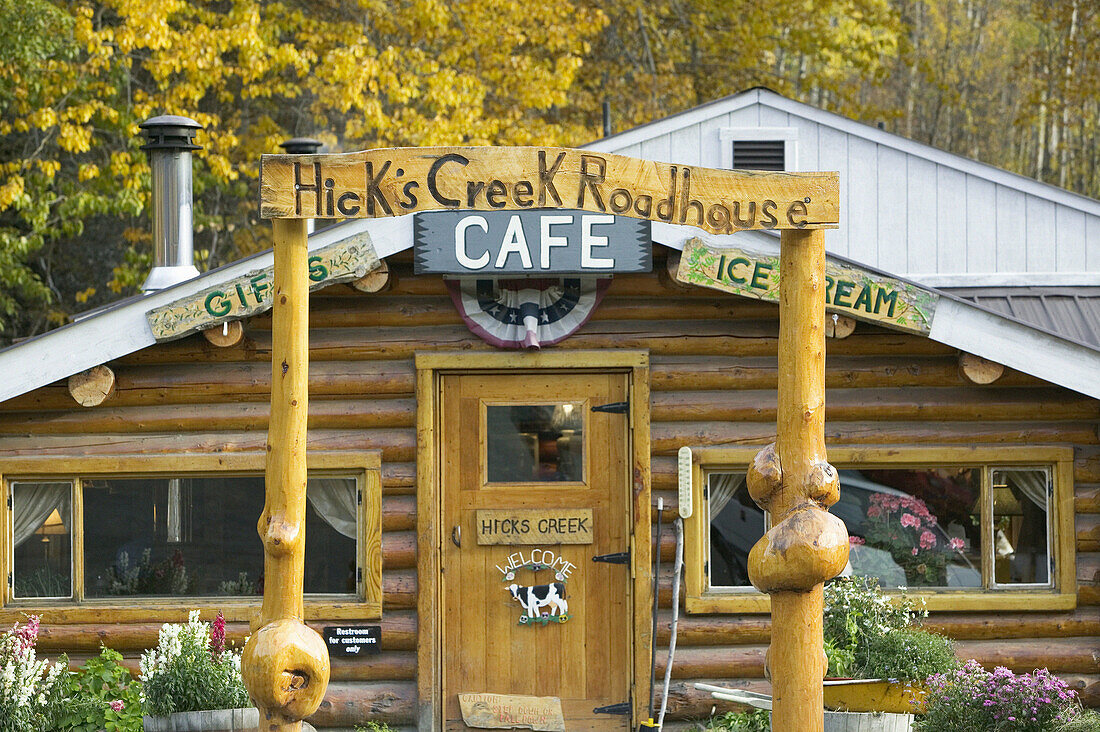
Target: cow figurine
538,596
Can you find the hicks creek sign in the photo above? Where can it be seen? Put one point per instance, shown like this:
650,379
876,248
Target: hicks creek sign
529,242
848,290
396,181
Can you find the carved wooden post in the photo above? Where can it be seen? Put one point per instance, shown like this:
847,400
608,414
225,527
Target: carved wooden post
792,480
285,664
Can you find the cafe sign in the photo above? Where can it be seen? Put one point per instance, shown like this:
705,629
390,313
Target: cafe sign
250,293
849,290
397,181
533,242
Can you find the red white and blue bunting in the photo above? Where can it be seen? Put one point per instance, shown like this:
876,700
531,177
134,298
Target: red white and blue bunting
526,313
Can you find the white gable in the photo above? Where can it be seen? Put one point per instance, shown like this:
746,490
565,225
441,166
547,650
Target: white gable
906,208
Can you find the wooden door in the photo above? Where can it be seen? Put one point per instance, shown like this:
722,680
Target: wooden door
530,447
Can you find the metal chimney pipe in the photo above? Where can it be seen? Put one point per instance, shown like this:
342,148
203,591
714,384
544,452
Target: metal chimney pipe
302,146
169,140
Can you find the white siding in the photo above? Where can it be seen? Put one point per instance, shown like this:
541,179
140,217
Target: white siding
905,208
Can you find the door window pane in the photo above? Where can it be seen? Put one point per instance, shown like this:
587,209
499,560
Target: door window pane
913,528
197,536
42,532
1021,525
535,443
736,523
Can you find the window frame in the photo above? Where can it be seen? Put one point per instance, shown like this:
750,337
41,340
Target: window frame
700,598
364,466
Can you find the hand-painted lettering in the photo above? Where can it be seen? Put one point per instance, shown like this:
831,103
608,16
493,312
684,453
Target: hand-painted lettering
217,304
374,192
882,297
461,252
843,290
433,175
593,173
317,270
546,178
759,276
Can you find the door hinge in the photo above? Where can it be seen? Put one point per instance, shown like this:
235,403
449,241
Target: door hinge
10,583
359,497
615,558
359,575
9,502
613,408
620,708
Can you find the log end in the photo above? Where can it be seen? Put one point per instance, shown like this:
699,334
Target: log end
227,334
839,326
377,280
92,387
978,370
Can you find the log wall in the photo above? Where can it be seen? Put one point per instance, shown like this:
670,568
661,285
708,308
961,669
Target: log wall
713,381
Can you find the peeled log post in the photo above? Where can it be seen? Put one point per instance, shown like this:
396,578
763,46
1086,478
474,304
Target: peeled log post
285,663
793,481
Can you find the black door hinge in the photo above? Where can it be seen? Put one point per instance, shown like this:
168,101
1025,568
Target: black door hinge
359,575
620,708
615,558
10,583
359,497
9,502
613,408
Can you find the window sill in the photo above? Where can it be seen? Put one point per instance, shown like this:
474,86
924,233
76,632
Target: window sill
1018,601
175,610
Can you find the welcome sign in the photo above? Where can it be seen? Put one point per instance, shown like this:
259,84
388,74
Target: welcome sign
848,290
396,181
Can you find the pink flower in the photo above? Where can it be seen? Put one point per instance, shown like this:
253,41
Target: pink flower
217,635
873,511
958,544
856,541
915,550
908,519
117,705
927,540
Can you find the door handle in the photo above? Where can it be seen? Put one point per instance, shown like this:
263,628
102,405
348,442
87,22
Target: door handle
456,536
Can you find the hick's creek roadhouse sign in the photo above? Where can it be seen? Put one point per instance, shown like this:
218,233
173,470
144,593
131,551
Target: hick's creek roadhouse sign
397,181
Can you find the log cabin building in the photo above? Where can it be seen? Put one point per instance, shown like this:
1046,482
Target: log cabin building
474,438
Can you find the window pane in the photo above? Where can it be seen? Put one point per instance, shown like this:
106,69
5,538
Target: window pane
914,528
41,523
197,537
540,443
736,523
1021,522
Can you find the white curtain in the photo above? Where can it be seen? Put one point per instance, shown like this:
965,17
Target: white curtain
335,500
723,487
1032,483
32,503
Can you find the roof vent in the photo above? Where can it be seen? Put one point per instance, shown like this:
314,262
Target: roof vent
169,140
759,154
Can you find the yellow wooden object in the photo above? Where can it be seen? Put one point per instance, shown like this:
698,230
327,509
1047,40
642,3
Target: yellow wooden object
875,696
285,663
792,480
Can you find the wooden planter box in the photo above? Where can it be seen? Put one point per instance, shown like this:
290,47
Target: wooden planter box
874,695
217,720
867,722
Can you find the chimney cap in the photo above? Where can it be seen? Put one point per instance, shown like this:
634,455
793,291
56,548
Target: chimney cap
170,132
301,146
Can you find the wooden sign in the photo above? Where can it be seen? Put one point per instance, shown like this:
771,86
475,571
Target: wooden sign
534,526
396,181
848,290
353,640
343,261
529,242
507,711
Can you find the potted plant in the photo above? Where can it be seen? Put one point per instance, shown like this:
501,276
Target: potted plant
971,698
877,655
191,681
903,527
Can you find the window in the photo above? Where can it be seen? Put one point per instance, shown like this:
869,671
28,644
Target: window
759,148
966,528
140,529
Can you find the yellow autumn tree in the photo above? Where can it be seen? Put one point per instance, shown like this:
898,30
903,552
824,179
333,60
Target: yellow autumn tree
77,77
